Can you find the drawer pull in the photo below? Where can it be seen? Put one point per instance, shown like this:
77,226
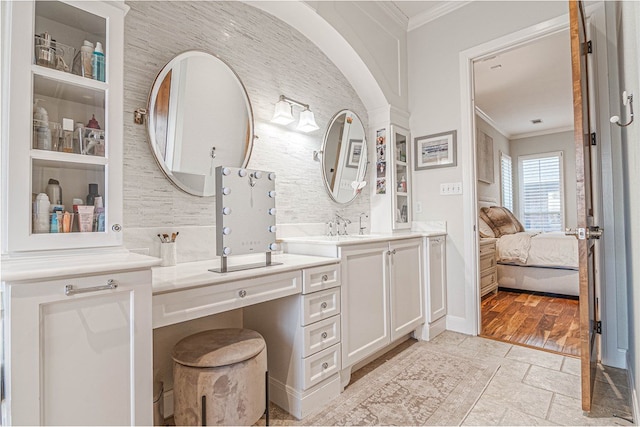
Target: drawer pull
242,293
325,365
69,290
325,277
324,335
323,305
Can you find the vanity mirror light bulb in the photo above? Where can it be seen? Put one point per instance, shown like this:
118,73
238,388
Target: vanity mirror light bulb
272,194
272,228
226,171
273,246
242,173
226,211
226,250
226,191
272,211
226,230
257,174
272,176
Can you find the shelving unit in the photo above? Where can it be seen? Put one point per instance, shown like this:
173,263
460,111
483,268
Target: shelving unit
401,177
63,95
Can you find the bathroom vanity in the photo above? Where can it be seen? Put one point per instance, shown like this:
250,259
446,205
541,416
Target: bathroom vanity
388,282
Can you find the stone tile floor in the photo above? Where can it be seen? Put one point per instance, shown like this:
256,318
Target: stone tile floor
531,387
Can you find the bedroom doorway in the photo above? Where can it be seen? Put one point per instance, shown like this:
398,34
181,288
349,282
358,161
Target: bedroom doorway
525,163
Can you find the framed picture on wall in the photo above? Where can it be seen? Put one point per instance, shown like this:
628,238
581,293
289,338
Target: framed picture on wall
354,153
435,151
484,147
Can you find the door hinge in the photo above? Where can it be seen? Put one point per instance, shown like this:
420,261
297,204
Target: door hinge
588,47
593,139
598,327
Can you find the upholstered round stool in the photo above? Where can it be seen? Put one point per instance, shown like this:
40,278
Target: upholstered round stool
219,378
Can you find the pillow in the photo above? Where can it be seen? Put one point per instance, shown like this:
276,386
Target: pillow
484,229
501,220
516,223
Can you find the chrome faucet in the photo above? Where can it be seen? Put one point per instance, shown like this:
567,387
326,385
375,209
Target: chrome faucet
344,221
361,228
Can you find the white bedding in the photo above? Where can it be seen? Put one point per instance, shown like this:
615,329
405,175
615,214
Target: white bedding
538,249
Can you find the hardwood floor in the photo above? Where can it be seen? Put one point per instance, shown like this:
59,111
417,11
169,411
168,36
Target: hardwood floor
546,322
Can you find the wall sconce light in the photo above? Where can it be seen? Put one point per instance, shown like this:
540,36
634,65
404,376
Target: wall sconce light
283,115
627,99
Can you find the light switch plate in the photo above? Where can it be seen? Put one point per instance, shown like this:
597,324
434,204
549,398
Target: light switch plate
450,188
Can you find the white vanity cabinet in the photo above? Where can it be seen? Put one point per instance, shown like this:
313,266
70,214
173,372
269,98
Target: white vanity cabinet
37,69
382,296
303,335
78,352
436,280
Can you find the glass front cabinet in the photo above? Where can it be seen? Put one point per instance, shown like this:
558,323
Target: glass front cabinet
401,177
62,136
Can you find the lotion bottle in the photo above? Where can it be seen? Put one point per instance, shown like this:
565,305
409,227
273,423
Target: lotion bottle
97,63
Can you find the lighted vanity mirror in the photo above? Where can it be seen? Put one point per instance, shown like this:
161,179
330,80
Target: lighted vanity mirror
344,157
199,117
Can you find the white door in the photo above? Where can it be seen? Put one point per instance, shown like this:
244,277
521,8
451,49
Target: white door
82,359
436,279
364,296
406,286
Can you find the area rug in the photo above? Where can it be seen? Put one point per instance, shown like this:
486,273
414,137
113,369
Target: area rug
416,387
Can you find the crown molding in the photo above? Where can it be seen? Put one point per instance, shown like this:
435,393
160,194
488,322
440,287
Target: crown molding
434,13
542,132
393,11
491,123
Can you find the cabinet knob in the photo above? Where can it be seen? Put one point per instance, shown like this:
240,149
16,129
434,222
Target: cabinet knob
323,305
117,228
324,335
325,277
325,365
393,252
242,293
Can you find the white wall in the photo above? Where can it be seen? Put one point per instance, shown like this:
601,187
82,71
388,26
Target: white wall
627,19
379,40
434,103
500,144
562,141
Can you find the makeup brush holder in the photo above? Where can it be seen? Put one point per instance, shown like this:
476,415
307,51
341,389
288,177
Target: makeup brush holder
168,254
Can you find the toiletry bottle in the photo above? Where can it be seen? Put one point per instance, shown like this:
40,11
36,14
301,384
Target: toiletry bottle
82,60
55,224
78,136
98,214
403,184
93,193
41,214
67,135
41,127
97,63
54,191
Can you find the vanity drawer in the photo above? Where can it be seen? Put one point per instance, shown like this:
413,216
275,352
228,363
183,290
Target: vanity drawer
320,366
181,305
487,261
320,335
319,278
320,305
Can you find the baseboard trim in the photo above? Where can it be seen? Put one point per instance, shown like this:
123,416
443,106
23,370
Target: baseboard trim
460,324
433,329
632,386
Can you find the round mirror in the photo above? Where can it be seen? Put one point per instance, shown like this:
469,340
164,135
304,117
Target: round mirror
199,117
344,157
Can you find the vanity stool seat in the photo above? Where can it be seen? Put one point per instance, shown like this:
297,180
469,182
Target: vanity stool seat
219,375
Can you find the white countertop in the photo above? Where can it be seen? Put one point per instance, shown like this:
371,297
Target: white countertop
196,274
354,239
72,264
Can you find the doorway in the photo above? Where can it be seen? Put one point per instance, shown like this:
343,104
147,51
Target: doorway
525,164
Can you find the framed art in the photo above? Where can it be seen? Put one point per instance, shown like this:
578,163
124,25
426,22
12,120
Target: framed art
355,150
484,155
435,151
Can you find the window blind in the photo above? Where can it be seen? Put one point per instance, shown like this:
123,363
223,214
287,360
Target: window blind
506,182
541,192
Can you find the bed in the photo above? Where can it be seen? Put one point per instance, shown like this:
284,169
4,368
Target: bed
532,261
